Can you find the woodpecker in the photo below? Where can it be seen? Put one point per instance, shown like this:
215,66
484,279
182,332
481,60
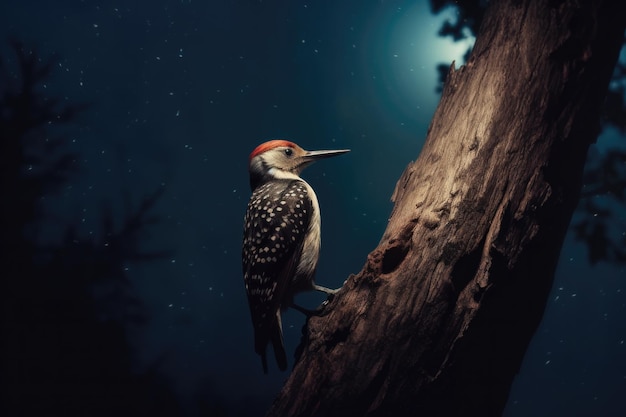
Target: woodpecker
281,238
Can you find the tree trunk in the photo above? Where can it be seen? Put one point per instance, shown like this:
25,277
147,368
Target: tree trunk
438,320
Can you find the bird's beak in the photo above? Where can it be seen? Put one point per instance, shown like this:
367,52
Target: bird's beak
311,156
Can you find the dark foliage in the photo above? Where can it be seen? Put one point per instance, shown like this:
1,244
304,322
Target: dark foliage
66,307
605,173
615,106
471,14
603,194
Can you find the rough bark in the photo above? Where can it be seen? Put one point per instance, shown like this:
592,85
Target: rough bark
438,320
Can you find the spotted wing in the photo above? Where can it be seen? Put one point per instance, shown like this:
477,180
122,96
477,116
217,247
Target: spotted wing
275,224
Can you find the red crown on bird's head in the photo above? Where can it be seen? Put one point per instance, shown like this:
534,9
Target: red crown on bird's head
264,147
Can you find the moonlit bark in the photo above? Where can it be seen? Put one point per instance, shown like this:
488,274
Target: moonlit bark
438,320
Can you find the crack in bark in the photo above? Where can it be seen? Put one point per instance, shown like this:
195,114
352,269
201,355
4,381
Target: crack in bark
398,248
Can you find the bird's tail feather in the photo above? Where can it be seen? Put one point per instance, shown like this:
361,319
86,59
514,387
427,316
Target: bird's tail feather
278,343
274,334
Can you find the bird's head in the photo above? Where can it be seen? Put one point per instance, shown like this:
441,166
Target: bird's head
282,159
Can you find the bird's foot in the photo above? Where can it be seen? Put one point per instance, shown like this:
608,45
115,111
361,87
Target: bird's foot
319,310
325,290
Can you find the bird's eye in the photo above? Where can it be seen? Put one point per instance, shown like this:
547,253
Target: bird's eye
288,151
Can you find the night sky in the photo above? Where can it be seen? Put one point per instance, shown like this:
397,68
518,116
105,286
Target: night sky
182,91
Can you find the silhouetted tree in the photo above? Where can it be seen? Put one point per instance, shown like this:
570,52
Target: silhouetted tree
65,306
438,320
